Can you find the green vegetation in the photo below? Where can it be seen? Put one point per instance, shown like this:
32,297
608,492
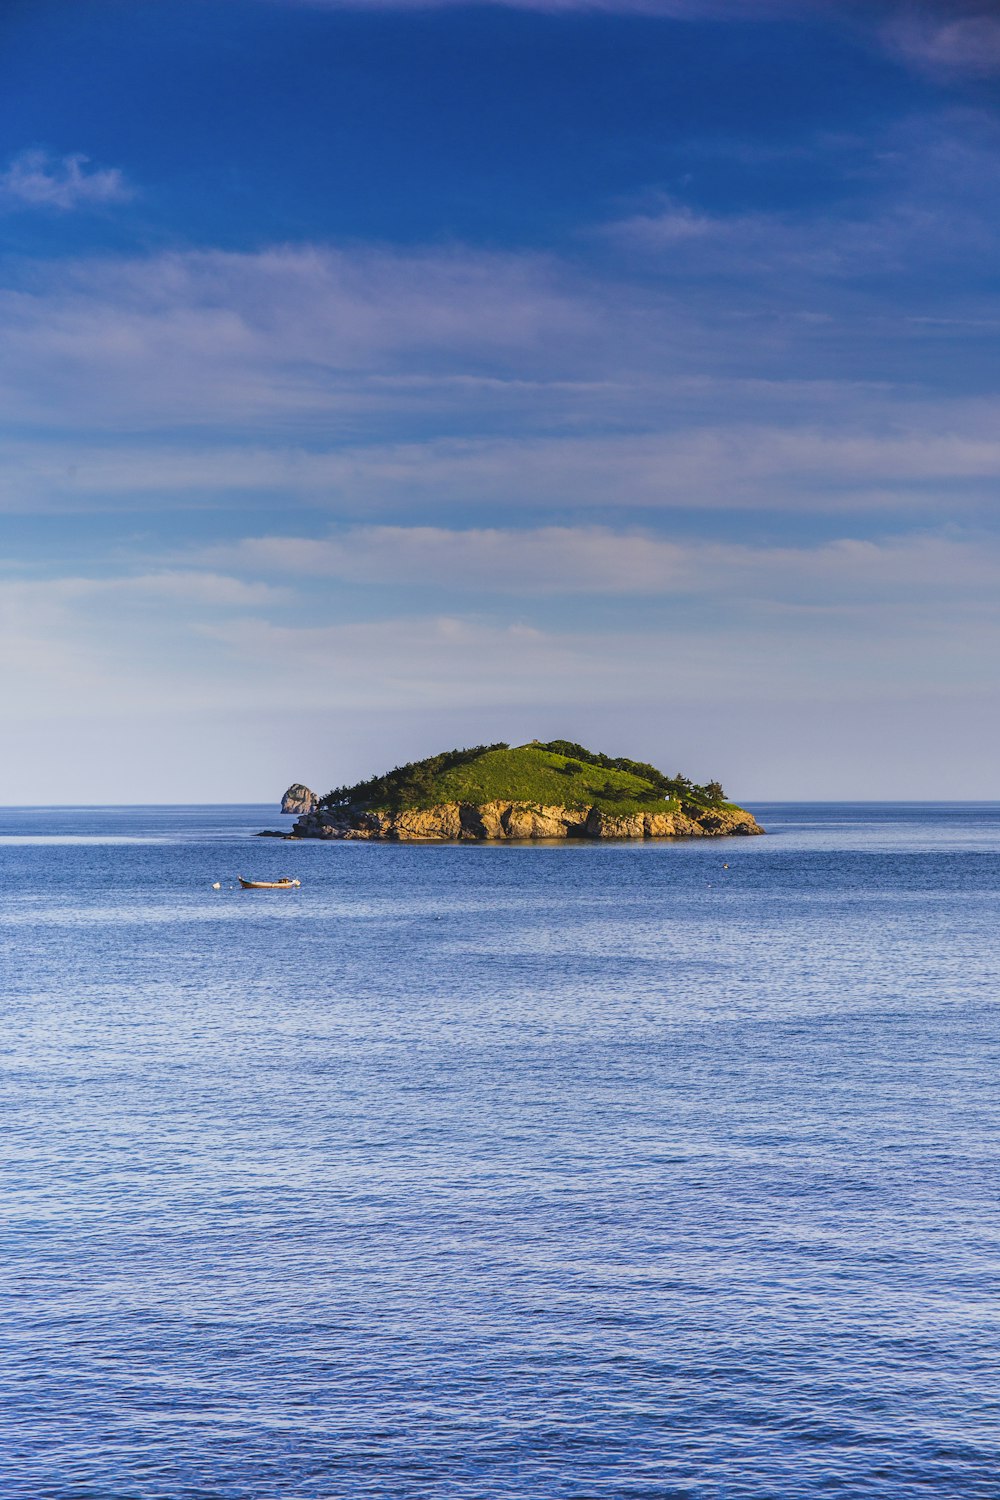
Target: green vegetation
556,774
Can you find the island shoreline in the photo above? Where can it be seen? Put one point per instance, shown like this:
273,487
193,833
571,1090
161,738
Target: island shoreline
518,822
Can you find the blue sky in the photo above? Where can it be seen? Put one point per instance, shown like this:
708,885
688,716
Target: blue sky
382,376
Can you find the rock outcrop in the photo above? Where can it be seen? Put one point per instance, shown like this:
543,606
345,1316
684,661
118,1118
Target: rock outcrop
468,822
299,799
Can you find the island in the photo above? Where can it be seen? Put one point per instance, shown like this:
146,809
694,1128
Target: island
555,790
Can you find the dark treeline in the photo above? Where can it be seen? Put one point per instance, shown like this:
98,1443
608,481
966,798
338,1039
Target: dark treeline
416,782
677,786
406,785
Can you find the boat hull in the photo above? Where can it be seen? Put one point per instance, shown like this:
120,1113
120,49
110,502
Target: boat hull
268,885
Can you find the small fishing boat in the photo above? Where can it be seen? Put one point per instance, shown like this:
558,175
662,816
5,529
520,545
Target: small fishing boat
267,885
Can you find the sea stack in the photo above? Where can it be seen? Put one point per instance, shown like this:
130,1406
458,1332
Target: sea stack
299,799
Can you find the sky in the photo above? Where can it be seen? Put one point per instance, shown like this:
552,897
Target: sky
384,376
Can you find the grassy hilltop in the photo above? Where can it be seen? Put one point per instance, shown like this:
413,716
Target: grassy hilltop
559,773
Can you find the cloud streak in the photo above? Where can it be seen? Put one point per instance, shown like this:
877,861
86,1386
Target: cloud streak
951,38
545,562
622,391
675,10
871,453
292,331
922,199
939,41
36,179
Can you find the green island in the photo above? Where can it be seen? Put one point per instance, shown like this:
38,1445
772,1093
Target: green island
554,790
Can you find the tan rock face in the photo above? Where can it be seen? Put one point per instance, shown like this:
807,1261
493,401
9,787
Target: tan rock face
466,822
443,822
604,825
657,825
299,799
483,822
520,820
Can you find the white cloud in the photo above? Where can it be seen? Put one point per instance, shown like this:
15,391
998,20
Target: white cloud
188,586
698,245
293,333
211,590
929,197
36,179
725,466
912,572
680,10
963,45
927,33
319,339
436,662
298,366
869,450
548,561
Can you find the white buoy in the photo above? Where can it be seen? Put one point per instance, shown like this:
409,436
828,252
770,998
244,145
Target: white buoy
217,886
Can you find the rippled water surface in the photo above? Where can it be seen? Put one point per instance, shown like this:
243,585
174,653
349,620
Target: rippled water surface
563,1171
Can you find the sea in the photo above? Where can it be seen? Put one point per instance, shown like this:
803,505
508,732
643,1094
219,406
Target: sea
557,1172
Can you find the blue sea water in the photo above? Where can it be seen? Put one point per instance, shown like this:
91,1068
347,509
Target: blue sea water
559,1172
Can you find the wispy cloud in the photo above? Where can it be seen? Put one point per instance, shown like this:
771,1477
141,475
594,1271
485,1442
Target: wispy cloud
680,10
545,562
208,336
955,40
36,179
949,37
549,560
49,598
924,196
869,450
445,660
187,586
619,389
332,337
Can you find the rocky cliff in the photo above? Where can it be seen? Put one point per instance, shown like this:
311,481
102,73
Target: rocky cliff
518,820
299,799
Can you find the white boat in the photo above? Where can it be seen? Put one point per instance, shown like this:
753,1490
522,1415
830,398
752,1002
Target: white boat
267,885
